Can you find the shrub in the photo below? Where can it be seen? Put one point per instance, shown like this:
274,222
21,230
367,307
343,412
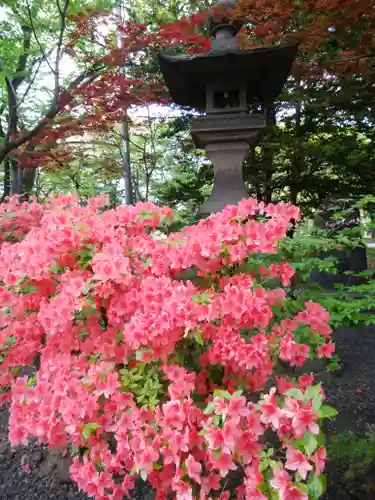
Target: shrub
312,249
355,456
160,355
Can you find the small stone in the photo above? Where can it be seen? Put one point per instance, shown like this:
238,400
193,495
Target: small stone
4,447
62,471
36,457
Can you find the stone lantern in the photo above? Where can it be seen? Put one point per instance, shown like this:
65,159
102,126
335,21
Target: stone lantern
222,85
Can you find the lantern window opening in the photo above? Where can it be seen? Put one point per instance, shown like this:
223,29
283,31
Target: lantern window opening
226,99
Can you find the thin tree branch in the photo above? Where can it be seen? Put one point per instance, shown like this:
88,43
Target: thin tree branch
61,11
31,83
59,45
38,62
32,25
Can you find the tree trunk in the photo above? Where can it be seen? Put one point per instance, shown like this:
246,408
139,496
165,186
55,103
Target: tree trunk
28,181
125,159
296,161
16,178
125,138
28,176
7,179
12,85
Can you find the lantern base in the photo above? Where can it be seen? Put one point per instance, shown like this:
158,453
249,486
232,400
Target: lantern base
226,139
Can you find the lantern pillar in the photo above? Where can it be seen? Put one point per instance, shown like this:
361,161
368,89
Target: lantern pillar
228,189
226,140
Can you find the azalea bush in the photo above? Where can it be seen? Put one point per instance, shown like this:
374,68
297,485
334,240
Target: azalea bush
159,355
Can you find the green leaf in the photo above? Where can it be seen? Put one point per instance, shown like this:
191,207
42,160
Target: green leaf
143,474
327,412
222,394
303,487
334,364
88,429
56,269
199,339
295,393
263,465
216,419
202,298
316,486
262,486
210,408
312,391
299,444
317,402
310,443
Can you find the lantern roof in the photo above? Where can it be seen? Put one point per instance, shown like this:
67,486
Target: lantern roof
262,70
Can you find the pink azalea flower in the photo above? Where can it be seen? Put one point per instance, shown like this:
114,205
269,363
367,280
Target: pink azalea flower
144,460
173,414
237,408
293,493
214,437
223,463
270,411
303,417
194,469
326,350
319,459
306,380
296,461
281,479
183,490
295,353
210,482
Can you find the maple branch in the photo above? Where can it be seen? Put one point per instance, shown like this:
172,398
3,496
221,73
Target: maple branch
53,110
352,58
90,143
